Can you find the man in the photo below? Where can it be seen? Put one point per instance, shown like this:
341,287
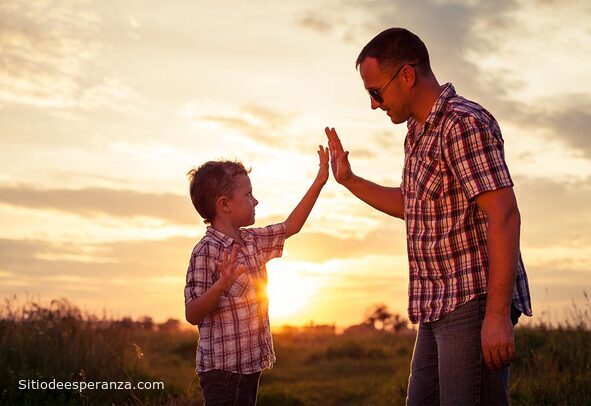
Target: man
467,282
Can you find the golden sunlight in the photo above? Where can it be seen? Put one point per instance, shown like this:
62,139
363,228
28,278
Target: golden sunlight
288,292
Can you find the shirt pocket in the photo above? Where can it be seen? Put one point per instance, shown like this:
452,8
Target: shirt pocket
426,177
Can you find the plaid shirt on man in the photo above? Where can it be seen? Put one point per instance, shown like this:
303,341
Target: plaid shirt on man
235,337
457,155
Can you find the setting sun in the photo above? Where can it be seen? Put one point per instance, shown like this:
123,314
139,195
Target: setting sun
288,292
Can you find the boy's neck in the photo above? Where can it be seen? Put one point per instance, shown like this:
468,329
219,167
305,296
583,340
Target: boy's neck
228,229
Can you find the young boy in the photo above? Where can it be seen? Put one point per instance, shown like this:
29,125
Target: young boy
225,293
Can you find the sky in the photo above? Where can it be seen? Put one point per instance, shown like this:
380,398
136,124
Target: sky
105,106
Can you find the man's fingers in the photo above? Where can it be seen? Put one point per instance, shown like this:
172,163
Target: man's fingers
508,354
496,359
343,157
511,353
333,139
504,356
489,359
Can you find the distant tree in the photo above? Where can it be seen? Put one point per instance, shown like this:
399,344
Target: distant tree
378,314
398,322
125,322
170,325
146,322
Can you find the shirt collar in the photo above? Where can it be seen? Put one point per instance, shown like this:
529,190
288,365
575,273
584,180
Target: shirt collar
224,239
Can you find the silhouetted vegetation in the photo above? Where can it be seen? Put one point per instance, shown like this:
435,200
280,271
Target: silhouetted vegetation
363,365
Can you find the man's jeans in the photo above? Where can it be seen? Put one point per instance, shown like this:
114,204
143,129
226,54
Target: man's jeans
229,388
447,366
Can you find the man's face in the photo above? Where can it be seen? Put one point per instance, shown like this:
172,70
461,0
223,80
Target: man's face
393,96
243,202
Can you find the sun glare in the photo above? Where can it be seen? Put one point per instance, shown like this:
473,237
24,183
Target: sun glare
288,292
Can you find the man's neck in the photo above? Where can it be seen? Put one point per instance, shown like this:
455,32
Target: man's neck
428,94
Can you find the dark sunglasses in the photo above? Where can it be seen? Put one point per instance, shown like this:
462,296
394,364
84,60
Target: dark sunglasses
377,94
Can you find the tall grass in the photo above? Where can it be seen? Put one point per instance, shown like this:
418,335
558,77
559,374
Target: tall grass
554,361
57,341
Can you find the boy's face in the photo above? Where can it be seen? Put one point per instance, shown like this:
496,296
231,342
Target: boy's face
242,202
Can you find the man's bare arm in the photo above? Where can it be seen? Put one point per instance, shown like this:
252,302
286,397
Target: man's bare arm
500,206
389,200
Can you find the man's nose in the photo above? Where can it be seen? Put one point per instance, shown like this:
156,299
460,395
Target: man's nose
255,201
374,103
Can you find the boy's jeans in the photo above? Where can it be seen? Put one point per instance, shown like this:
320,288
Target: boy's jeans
229,388
447,366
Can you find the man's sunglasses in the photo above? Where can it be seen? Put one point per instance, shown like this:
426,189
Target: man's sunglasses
377,94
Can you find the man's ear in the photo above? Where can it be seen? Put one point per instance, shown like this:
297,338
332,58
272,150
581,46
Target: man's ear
410,75
222,204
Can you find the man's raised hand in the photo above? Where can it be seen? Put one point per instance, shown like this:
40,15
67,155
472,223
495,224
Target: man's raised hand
339,158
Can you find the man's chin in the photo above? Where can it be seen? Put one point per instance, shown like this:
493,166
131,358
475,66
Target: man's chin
396,120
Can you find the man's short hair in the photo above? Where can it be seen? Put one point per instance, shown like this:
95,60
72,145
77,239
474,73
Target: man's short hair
210,181
394,46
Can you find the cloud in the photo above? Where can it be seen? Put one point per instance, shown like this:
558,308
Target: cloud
458,35
132,259
363,153
565,117
319,247
91,202
49,58
554,213
570,123
315,22
259,124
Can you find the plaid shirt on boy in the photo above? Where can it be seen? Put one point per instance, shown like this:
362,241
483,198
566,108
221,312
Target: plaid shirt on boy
235,337
457,155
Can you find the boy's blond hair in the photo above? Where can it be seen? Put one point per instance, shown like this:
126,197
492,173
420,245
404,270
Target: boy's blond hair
210,181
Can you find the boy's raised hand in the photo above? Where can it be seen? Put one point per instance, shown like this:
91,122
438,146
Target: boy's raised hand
229,268
322,176
339,158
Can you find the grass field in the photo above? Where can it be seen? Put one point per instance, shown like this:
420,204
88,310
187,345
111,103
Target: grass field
314,367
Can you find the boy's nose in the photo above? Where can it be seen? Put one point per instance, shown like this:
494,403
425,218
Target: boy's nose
255,201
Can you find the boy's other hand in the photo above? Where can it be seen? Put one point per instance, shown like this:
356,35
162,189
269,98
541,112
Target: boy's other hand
322,176
339,158
229,268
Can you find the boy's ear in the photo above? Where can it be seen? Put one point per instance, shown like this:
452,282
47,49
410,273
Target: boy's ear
222,204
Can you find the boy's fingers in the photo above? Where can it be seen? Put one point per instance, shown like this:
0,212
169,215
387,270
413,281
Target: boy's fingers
240,269
234,253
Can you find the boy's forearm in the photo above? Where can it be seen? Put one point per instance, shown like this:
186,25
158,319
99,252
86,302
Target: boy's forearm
198,308
298,216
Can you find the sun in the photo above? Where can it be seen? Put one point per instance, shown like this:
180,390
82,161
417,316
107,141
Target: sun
288,292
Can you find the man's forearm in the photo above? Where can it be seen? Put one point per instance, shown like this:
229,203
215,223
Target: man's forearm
503,257
385,199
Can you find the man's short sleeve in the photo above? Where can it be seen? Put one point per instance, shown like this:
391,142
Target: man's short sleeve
476,158
269,239
200,275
